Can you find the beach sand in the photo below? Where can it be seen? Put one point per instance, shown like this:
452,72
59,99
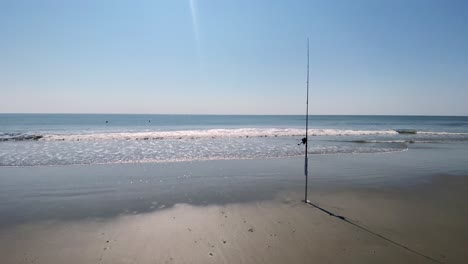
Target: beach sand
428,219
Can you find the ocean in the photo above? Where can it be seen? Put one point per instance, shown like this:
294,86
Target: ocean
70,166
78,139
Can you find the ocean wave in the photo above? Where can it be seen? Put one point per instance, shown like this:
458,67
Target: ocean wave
433,138
19,136
196,134
216,133
442,133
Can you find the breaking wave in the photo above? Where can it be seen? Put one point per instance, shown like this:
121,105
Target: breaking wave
19,136
193,134
33,149
213,133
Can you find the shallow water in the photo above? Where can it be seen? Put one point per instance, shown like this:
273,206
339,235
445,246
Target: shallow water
68,192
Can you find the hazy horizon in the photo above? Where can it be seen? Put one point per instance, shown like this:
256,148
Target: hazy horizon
234,58
38,113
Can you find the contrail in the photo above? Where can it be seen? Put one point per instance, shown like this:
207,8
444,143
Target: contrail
194,12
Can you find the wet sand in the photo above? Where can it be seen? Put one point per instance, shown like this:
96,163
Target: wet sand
425,223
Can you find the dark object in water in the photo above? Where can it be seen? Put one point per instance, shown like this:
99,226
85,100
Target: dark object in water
406,131
21,137
107,121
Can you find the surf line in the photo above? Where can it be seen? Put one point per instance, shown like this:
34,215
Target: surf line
374,233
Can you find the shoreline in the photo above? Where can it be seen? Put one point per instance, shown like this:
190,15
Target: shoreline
106,191
241,211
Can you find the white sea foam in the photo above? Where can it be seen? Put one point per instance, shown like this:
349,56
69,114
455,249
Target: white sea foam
189,145
215,133
108,151
211,133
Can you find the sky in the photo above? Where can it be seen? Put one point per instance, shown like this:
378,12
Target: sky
367,57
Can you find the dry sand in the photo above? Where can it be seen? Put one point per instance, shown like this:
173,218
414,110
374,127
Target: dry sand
429,220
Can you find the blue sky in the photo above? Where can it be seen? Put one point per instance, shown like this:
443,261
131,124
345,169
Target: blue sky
234,57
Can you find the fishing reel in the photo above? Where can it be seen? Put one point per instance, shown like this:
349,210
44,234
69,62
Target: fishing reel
303,141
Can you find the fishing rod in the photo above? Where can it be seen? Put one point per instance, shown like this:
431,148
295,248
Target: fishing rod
305,140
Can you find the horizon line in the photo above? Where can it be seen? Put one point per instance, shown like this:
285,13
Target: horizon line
77,113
